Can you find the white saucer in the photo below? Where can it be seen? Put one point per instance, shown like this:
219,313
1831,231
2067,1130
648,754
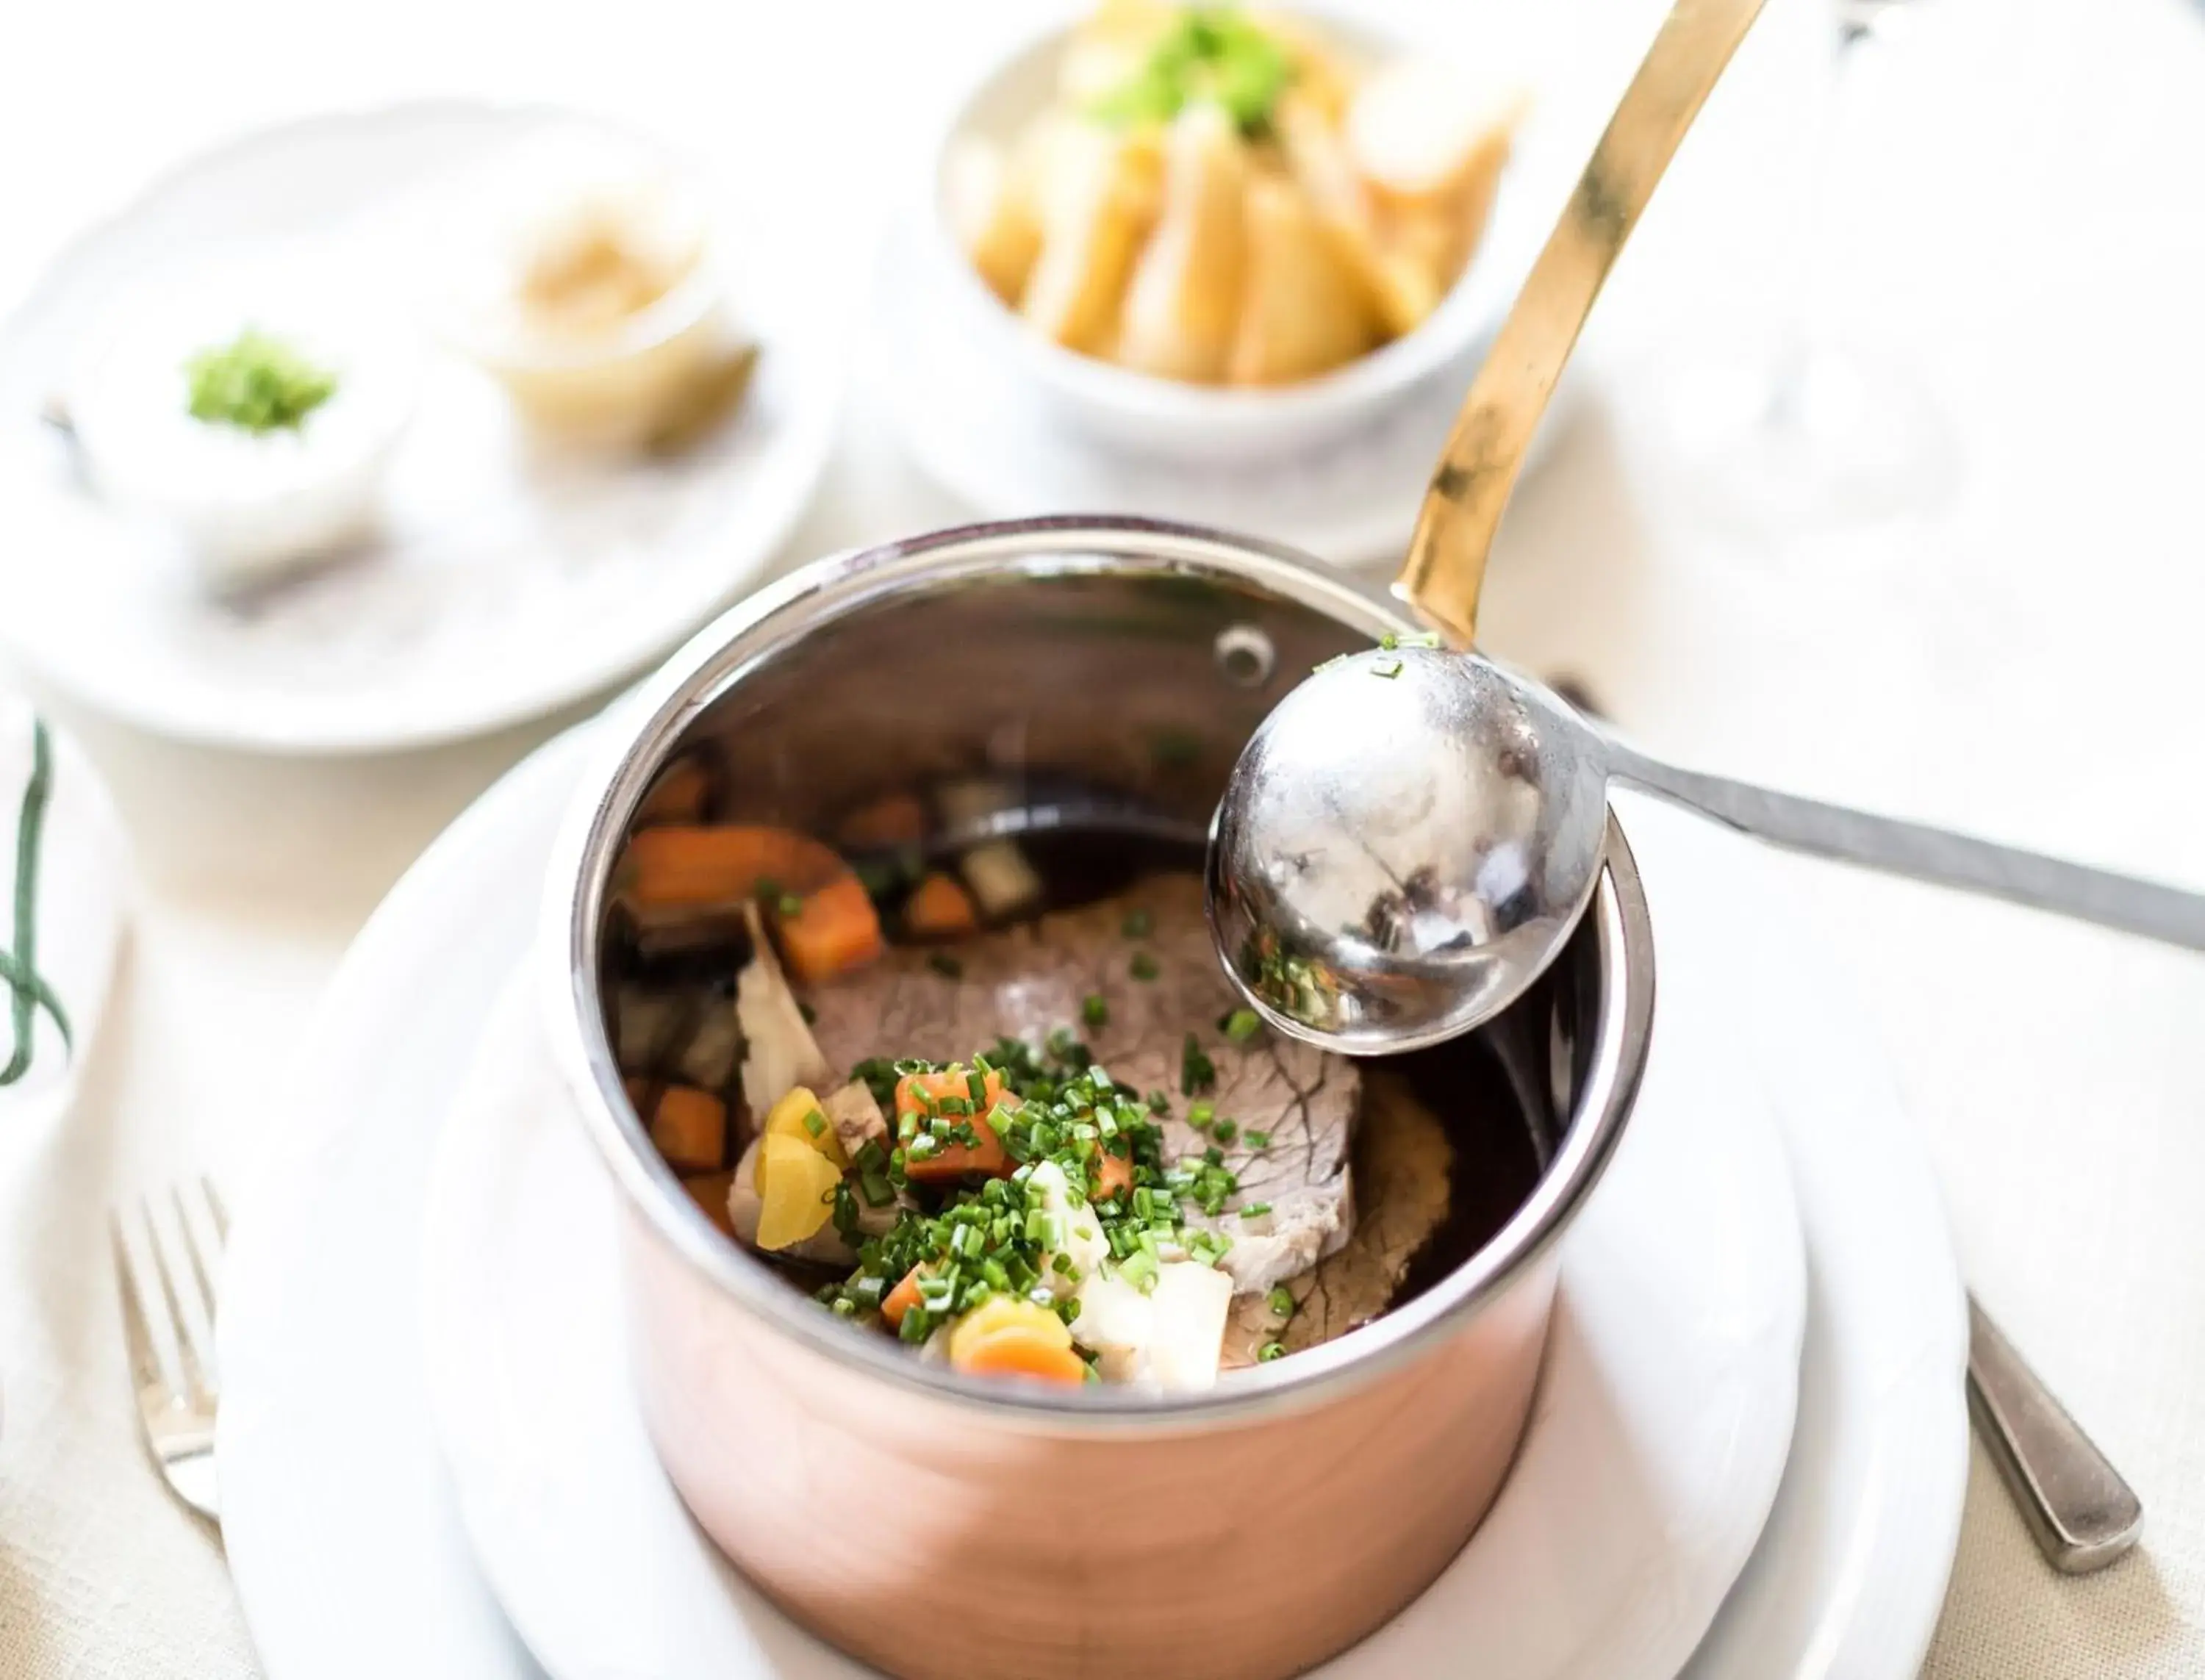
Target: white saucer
1662,1428
344,1536
502,585
976,425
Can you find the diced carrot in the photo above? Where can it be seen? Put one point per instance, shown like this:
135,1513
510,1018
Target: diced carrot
684,864
894,819
835,929
953,1161
678,795
1007,1337
940,909
1112,1174
1020,1353
690,1128
901,1299
710,1192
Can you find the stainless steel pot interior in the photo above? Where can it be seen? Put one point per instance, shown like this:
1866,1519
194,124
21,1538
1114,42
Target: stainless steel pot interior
1079,662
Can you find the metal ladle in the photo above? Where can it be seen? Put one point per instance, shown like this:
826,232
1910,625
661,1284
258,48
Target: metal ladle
1409,837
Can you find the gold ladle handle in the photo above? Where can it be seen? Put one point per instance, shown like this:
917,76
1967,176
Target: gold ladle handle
1446,568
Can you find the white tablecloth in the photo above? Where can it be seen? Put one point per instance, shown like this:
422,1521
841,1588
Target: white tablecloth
2027,233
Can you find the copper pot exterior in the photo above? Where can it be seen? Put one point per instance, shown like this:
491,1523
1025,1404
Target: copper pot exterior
944,1527
897,1528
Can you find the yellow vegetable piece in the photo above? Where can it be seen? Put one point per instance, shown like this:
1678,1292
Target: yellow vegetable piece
796,1189
791,1117
1000,1313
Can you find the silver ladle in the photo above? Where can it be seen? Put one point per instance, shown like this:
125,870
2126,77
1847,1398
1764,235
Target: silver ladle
1410,837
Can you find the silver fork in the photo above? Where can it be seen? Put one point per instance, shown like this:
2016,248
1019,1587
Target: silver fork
170,1340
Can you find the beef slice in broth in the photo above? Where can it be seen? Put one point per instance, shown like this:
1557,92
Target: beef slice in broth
1025,981
1404,1164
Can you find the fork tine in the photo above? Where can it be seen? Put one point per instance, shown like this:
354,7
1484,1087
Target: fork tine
137,1336
194,1251
190,1362
220,1213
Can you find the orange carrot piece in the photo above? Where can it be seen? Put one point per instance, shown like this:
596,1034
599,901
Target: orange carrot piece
1018,1351
940,909
894,819
709,1192
1112,1174
690,1128
684,864
901,1299
988,1155
835,929
678,795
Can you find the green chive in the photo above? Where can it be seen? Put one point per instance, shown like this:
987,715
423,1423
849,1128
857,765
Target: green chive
1243,1024
1267,1353
1143,966
1255,1210
788,905
815,1122
1201,1115
1256,1140
1225,1130
1136,924
1390,669
1282,1303
1095,1010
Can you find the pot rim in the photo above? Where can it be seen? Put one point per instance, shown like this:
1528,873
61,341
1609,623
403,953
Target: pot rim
658,712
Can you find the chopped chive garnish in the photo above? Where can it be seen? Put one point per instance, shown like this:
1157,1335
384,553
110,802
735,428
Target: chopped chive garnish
1256,1140
1243,1024
769,889
1255,1210
1282,1303
1136,924
1201,1114
788,905
943,964
1197,1072
1266,1353
815,1122
1391,669
1159,1103
1143,967
1095,1010
1225,1130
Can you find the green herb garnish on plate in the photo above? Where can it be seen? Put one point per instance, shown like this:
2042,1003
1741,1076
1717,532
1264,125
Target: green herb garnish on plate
258,383
1211,54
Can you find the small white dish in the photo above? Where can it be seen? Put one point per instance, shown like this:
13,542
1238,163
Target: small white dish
990,438
1661,1430
321,1343
501,579
1138,415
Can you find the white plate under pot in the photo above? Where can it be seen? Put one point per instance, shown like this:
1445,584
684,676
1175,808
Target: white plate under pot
344,1533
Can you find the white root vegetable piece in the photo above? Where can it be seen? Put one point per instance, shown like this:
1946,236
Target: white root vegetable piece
1192,1302
856,1117
641,1022
1426,138
745,1207
1182,302
1096,207
781,1052
1084,1245
993,214
1109,47
1000,878
1171,1338
1302,311
1402,291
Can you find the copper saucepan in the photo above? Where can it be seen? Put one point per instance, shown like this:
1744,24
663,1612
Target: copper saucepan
944,1527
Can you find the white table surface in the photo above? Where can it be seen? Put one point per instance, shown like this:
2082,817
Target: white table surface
2026,230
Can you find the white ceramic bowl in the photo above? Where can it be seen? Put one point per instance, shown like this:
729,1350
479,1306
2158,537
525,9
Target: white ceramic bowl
1143,414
